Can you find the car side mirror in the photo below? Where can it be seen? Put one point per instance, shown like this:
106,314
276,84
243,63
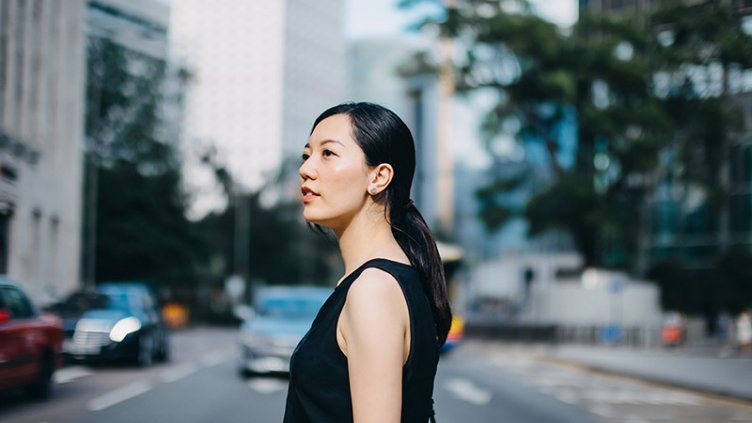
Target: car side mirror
243,312
4,316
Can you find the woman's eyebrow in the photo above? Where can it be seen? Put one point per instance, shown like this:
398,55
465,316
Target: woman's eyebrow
324,142
332,141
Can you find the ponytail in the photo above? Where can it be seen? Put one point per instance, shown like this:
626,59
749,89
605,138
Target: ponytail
413,236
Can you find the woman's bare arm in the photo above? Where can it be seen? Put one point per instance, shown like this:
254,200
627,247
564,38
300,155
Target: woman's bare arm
372,332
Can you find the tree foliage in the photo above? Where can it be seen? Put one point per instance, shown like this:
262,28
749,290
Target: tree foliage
641,88
282,249
141,228
657,115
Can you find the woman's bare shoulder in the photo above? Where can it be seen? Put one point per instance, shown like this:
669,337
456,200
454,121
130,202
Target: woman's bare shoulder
375,291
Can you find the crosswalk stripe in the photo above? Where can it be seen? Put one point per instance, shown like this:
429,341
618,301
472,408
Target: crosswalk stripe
69,374
467,391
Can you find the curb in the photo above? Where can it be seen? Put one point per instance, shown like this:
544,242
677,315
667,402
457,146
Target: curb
710,390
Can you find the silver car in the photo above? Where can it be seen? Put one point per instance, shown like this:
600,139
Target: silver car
272,328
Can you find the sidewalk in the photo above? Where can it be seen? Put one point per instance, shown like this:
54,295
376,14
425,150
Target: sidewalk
689,369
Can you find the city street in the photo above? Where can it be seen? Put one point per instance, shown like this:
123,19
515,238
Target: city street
479,382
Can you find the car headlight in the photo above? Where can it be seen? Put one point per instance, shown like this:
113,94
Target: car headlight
123,327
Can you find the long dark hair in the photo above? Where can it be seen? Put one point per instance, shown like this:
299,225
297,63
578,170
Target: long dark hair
384,138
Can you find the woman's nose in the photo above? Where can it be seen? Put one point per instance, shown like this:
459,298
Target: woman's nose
307,170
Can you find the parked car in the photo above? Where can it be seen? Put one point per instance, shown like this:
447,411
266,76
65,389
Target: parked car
116,322
31,343
273,326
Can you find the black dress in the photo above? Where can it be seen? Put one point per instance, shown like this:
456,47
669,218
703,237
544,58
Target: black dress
319,388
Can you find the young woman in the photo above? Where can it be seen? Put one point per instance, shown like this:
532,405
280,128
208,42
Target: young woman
372,351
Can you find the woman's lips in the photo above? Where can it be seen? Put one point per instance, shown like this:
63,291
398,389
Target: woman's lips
308,194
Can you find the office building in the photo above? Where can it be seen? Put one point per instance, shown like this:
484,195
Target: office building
42,86
262,71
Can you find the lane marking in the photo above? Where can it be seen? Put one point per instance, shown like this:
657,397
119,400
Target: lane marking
176,373
465,390
69,374
566,396
267,385
602,410
213,358
119,395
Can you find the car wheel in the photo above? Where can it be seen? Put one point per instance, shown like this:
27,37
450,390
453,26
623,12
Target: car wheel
42,387
145,350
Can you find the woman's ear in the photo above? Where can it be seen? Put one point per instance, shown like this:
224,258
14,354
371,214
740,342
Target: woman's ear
381,176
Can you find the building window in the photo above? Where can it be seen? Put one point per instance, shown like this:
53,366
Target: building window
36,243
5,216
35,46
741,166
4,22
740,207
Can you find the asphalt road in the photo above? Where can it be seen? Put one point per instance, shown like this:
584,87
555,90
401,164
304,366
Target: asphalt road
477,383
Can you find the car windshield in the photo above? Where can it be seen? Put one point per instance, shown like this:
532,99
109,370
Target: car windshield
119,301
290,307
80,302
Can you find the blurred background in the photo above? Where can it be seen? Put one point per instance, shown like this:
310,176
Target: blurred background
586,167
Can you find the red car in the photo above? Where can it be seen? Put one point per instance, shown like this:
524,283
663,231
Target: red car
31,343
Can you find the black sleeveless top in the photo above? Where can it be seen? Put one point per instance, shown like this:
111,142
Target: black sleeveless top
319,388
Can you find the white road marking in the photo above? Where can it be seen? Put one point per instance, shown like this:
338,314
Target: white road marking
602,410
741,417
566,395
467,391
213,358
178,372
119,395
69,374
267,385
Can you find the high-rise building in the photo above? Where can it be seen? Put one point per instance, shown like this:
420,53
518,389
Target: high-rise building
374,67
262,71
42,85
138,25
141,27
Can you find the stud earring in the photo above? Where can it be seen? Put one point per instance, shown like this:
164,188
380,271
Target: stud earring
373,190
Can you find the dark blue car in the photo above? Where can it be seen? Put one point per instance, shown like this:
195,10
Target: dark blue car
115,322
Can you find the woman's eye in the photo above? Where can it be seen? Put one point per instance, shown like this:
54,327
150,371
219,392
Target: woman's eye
327,153
304,156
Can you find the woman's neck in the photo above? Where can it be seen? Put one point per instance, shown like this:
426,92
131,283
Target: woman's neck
367,236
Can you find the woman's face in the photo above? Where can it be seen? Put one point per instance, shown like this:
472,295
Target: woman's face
334,175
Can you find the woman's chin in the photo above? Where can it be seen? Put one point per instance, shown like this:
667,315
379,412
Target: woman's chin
313,218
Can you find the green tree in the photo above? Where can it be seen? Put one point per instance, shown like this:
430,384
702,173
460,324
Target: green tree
629,82
282,249
138,224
